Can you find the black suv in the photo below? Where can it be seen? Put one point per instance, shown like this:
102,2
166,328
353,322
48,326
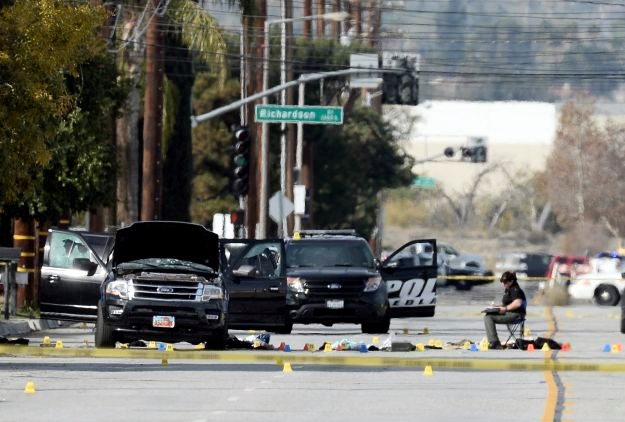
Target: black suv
162,280
333,277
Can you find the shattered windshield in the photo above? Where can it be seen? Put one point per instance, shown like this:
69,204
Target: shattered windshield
163,263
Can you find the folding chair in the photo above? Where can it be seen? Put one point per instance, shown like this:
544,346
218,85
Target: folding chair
516,329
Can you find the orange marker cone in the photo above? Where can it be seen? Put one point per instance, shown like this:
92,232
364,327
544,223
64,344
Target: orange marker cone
530,347
566,347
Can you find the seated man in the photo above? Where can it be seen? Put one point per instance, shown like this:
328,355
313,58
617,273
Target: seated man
511,309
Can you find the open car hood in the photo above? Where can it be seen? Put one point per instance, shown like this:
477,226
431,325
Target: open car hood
166,239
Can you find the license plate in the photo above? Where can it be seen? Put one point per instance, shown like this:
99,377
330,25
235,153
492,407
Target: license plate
334,304
162,321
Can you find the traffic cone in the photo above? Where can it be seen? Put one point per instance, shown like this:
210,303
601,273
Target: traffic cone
545,347
281,347
59,344
607,347
256,344
363,348
614,348
287,348
161,346
566,347
152,345
327,347
420,347
30,388
483,346
438,343
619,346
169,347
530,347
427,372
339,348
287,367
466,345
376,340
527,332
46,342
473,347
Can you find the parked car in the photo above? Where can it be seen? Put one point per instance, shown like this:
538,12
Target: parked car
524,264
333,277
165,281
452,262
603,283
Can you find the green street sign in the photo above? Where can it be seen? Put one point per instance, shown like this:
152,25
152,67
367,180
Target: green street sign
424,182
312,115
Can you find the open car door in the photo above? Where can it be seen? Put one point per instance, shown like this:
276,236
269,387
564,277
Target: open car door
410,275
71,275
254,274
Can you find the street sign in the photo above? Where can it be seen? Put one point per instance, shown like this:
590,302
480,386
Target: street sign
312,115
279,207
367,80
424,182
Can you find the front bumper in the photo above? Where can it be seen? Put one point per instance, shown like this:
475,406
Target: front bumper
368,307
194,321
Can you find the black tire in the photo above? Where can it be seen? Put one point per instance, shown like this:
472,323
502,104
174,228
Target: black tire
104,334
607,295
377,327
286,328
217,341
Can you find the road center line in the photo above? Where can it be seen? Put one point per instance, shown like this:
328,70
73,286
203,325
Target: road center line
555,404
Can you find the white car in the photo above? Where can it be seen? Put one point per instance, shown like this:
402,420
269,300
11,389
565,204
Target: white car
603,283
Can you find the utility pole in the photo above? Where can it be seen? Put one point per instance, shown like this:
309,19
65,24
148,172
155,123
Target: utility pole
153,118
307,32
321,9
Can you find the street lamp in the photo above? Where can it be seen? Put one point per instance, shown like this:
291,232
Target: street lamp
264,143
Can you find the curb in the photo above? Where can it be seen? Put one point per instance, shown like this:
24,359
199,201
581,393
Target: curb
26,326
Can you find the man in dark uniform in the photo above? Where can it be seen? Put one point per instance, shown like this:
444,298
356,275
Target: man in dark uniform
512,308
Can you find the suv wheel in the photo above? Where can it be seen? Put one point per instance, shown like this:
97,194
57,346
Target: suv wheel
377,327
607,295
104,334
286,328
217,341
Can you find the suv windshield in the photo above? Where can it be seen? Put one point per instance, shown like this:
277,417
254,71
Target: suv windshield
328,254
162,263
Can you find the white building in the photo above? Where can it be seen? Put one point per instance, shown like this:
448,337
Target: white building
519,136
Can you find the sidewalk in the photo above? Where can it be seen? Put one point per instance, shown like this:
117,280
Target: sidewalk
20,326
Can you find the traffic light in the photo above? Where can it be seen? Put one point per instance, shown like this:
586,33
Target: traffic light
402,86
237,218
240,160
475,151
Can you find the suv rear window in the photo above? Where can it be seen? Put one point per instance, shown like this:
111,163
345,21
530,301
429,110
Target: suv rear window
328,254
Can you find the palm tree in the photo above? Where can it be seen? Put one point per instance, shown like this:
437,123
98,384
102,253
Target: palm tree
189,29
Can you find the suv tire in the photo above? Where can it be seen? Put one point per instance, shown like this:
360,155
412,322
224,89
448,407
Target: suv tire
217,341
104,334
285,329
377,327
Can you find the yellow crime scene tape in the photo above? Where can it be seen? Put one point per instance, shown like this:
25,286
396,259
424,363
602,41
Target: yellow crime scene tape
280,358
491,277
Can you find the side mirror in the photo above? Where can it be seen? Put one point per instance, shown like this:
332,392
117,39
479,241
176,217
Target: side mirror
245,271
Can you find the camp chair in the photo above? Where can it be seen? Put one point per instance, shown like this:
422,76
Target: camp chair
516,329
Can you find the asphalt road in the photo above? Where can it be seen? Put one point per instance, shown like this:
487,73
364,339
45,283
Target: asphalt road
125,389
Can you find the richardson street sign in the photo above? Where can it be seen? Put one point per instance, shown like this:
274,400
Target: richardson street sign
312,115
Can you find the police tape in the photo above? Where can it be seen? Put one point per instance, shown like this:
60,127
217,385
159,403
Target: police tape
491,278
320,358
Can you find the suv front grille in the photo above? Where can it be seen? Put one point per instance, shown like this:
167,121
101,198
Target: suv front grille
322,289
167,287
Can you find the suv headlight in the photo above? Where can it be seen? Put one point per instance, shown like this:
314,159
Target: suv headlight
372,284
212,292
118,288
295,284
